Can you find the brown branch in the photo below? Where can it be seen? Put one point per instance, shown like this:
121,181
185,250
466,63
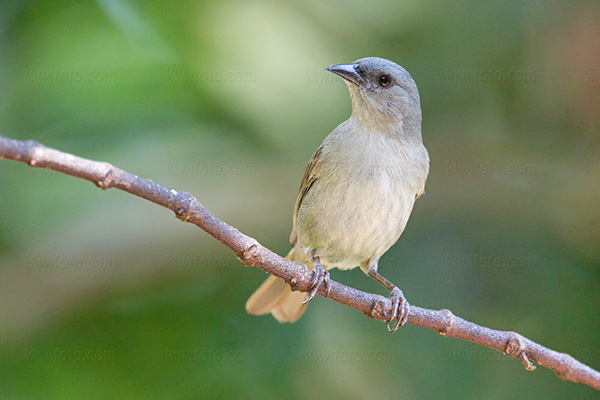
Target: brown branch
252,253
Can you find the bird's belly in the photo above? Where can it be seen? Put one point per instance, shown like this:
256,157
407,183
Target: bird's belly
349,225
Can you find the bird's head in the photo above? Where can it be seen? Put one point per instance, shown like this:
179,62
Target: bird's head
384,95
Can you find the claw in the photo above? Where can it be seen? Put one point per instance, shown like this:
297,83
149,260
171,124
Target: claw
321,277
400,308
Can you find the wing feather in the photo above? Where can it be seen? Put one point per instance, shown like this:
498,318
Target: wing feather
310,176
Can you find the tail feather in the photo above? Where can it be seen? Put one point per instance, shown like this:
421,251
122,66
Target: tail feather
276,297
267,296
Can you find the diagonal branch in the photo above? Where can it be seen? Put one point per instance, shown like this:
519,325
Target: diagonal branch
250,252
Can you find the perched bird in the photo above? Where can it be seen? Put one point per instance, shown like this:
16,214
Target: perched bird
359,188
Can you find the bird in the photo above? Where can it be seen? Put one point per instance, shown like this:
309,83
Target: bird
358,190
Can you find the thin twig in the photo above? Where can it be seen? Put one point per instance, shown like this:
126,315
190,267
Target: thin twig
297,275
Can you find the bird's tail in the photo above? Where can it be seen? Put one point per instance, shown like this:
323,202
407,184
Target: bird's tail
276,297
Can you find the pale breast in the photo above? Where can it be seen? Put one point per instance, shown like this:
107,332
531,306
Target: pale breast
360,205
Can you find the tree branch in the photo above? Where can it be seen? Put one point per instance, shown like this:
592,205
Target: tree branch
250,252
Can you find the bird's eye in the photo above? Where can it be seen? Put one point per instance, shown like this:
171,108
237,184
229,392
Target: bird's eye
384,80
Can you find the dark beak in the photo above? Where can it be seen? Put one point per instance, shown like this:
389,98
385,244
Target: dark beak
348,72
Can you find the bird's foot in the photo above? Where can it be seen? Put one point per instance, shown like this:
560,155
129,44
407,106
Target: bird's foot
320,277
400,310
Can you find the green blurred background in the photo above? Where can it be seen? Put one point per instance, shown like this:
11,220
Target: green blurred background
104,295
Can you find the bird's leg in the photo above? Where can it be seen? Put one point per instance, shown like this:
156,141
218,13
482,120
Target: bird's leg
320,277
399,303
